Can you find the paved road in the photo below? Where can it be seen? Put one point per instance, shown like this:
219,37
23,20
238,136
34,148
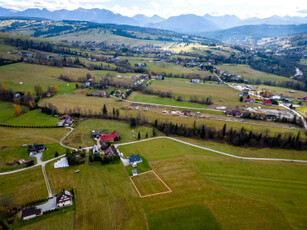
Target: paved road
215,151
61,141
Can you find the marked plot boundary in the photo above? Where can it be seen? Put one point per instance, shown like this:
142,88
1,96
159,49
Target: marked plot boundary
154,194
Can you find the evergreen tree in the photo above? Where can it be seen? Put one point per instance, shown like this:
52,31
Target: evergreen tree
104,110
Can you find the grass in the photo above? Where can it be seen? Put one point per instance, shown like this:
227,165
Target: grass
23,187
105,197
249,151
220,94
6,111
19,136
80,100
33,118
141,167
168,68
138,97
251,74
148,184
10,154
82,134
60,220
51,150
240,194
199,216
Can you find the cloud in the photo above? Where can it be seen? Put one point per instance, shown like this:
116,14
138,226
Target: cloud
167,8
302,11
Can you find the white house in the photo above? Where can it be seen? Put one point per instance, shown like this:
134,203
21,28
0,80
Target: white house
64,198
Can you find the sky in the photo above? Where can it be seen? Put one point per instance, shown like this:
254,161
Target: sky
167,8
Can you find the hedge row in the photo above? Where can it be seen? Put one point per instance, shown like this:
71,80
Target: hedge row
28,126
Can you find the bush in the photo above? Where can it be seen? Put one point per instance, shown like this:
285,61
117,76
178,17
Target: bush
56,154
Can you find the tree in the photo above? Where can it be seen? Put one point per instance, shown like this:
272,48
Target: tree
224,130
132,122
38,90
113,112
17,110
90,158
117,112
56,154
146,136
241,99
153,132
139,135
104,110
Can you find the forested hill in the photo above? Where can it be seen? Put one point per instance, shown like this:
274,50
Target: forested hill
250,34
47,28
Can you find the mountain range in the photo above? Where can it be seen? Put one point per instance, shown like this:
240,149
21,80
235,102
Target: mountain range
186,23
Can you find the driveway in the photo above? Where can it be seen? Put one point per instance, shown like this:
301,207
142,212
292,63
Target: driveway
49,205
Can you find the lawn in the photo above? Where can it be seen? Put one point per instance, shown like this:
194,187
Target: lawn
240,194
51,150
149,184
251,74
10,154
82,134
58,220
23,187
138,97
33,118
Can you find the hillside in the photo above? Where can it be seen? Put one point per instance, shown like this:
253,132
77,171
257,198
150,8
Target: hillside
79,31
250,34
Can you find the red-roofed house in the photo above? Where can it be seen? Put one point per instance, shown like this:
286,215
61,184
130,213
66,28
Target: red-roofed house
249,100
110,137
103,93
267,102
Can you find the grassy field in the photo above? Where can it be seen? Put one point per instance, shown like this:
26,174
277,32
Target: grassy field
33,118
51,150
220,94
82,134
251,74
248,151
59,220
6,111
105,197
159,67
87,104
240,194
19,136
101,35
10,154
30,74
23,187
148,184
139,97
